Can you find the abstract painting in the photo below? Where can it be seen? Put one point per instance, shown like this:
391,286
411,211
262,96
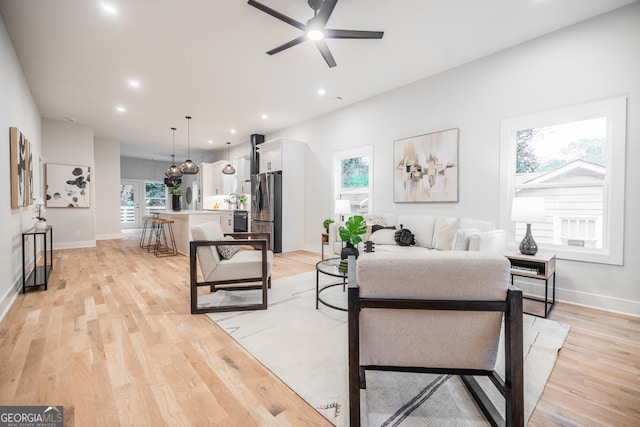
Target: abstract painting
426,168
68,186
20,169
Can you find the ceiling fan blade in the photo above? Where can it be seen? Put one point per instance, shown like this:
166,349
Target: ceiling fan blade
326,53
325,12
277,15
287,45
352,34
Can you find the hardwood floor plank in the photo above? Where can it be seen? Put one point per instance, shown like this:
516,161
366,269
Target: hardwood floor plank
114,342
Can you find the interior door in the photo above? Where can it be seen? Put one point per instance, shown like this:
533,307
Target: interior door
129,204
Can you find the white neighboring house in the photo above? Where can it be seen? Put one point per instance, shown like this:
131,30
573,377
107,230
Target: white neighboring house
574,197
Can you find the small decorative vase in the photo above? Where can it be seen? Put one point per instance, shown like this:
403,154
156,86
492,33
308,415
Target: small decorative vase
349,249
528,246
175,202
41,225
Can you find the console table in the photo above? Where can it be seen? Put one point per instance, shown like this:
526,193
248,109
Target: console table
39,274
541,266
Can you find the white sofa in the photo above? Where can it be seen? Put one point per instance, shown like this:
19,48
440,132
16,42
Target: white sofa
431,233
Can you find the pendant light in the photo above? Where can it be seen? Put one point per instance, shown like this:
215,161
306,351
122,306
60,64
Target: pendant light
229,169
188,167
173,171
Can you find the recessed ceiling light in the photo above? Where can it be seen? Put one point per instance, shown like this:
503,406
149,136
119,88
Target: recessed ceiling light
265,117
210,141
120,109
321,92
109,8
134,83
233,131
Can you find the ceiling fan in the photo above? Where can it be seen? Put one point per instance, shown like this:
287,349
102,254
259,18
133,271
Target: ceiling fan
315,29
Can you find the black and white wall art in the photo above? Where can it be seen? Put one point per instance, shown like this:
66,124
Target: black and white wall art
426,168
21,169
68,186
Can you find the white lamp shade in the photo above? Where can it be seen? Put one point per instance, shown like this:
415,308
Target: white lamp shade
343,207
528,210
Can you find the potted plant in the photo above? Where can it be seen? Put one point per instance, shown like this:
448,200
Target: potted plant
242,199
175,192
38,209
326,223
351,233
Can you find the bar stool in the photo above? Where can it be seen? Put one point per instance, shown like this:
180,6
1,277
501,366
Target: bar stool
149,234
145,229
165,244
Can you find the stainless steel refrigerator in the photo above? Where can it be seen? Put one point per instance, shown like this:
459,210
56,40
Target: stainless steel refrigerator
266,206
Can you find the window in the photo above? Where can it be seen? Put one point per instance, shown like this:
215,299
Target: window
574,159
155,197
353,178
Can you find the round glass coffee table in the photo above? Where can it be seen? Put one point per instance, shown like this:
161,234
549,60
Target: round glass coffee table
329,267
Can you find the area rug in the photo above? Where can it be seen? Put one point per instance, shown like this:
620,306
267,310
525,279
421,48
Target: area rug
307,349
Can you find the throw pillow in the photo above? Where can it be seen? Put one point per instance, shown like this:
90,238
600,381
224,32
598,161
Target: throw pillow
404,237
383,237
443,236
376,227
461,240
372,220
228,251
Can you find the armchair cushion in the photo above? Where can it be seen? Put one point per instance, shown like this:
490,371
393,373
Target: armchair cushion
431,275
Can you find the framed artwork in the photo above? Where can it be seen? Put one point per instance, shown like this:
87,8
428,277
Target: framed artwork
21,169
426,168
68,186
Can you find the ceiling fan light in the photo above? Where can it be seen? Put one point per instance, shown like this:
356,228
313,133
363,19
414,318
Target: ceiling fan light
229,169
315,35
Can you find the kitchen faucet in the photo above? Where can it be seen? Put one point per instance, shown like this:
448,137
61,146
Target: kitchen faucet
233,200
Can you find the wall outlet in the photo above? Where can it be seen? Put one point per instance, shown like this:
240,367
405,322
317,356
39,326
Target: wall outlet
77,232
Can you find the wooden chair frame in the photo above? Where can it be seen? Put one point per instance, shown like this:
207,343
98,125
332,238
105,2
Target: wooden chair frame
512,388
259,241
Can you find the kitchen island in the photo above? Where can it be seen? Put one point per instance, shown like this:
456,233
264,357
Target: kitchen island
184,220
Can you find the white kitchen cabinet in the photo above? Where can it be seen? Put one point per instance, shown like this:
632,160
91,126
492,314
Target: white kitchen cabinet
221,183
271,155
243,174
226,222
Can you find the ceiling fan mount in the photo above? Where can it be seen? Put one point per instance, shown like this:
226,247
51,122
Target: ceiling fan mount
315,28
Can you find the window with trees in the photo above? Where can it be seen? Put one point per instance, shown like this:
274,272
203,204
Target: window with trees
574,159
353,176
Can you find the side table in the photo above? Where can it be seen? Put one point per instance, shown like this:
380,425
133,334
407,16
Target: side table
39,275
541,266
325,241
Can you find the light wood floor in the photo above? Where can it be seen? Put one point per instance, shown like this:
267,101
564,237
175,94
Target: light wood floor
113,341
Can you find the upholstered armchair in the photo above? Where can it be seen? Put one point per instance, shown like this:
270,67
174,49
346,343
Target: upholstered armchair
439,313
229,262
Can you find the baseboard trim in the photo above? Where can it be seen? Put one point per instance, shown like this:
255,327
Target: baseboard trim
9,298
583,299
109,236
75,245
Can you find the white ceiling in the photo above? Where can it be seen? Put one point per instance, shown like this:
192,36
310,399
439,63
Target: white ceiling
206,58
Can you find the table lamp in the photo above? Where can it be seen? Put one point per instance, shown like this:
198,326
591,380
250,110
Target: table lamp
528,210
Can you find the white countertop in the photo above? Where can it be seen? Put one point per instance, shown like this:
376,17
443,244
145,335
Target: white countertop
187,212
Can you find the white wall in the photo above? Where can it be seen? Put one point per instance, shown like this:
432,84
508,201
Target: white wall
106,178
70,144
17,109
589,61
